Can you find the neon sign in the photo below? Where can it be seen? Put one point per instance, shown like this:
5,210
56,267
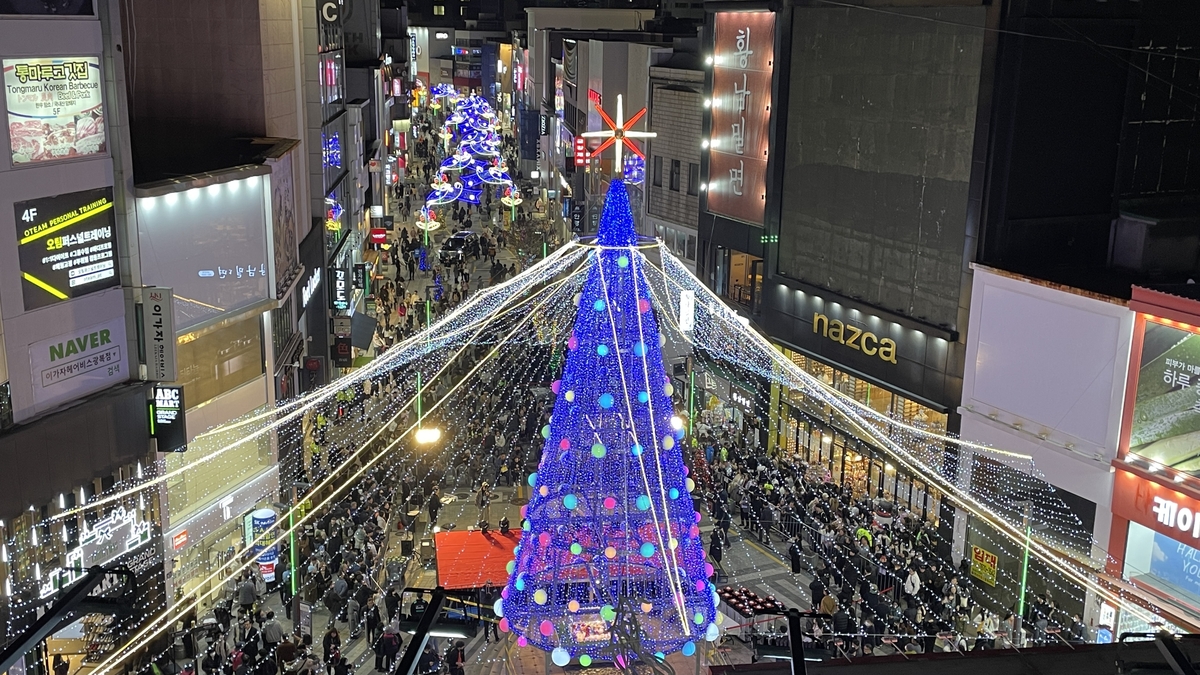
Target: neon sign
104,540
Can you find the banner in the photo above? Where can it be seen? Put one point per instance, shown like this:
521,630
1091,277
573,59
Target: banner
55,107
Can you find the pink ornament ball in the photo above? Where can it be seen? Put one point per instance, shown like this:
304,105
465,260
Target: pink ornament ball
522,642
698,516
555,386
544,539
610,503
573,343
695,531
686,470
524,510
504,591
503,625
643,305
700,585
546,628
708,569
564,444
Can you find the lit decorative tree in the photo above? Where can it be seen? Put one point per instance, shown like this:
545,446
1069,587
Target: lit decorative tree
611,544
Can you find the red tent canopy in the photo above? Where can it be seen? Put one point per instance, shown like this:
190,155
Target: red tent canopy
471,559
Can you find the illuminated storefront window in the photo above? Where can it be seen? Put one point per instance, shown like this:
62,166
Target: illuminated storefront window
806,434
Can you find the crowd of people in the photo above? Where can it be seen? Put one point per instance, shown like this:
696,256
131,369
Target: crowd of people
877,570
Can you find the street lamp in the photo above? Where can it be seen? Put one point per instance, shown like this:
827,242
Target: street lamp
427,435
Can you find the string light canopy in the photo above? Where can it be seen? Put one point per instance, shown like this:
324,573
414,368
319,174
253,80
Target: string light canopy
548,307
620,133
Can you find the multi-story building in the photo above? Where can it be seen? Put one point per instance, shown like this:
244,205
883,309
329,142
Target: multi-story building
859,163
73,395
672,172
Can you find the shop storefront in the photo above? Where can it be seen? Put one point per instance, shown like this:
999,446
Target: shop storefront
1161,552
210,538
1155,540
124,536
805,431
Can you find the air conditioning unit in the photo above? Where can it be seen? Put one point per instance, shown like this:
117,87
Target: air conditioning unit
1156,239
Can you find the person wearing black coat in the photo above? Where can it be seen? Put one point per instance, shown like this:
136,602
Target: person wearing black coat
796,556
817,587
715,548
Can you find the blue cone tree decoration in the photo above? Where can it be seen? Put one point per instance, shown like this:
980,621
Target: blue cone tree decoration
611,536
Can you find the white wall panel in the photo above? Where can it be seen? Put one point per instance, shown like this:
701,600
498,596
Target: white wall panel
1052,360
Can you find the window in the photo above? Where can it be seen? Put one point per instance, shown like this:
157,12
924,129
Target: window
657,171
675,175
693,179
221,361
439,10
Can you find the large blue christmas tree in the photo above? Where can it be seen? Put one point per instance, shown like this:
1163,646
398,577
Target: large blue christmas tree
611,563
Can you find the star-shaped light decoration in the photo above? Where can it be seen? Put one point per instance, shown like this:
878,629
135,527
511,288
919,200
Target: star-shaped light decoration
619,133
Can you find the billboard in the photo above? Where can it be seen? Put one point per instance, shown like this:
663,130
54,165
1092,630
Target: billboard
79,362
283,216
743,67
67,246
1166,409
208,244
55,107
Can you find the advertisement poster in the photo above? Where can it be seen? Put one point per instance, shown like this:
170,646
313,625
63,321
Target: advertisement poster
67,246
55,108
80,362
743,67
1166,412
984,564
283,216
1177,564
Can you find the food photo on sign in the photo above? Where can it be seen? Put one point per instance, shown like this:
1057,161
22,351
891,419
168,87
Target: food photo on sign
55,108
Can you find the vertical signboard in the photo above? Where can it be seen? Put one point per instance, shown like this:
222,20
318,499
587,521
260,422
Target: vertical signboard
55,107
339,288
158,334
67,246
743,65
168,421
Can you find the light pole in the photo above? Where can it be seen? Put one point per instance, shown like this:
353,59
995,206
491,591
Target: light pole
1026,515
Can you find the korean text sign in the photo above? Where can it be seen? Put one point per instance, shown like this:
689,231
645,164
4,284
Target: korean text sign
1157,507
743,67
1166,410
79,362
55,107
67,246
